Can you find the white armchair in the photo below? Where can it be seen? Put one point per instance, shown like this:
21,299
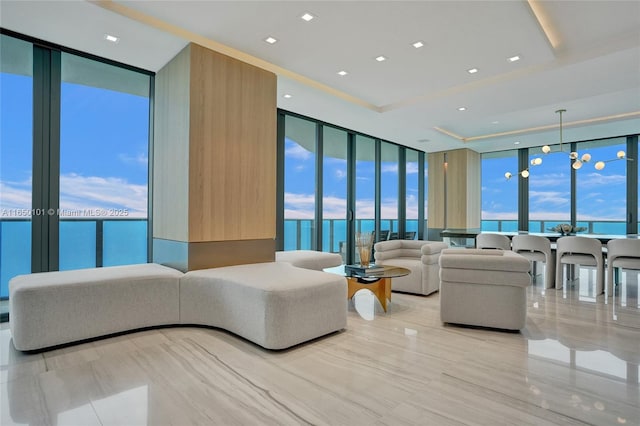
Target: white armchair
421,257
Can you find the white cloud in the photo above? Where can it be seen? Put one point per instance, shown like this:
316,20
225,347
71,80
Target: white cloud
494,215
334,208
549,180
299,206
549,197
597,179
15,195
389,168
340,174
81,194
141,159
412,168
93,192
297,151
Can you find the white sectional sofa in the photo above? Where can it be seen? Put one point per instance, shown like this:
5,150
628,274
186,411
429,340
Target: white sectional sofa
421,257
484,288
309,259
275,305
53,308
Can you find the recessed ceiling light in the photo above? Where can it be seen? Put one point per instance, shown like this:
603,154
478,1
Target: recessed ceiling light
381,58
494,122
462,109
270,40
516,143
111,38
342,73
514,58
418,44
286,95
307,17
472,70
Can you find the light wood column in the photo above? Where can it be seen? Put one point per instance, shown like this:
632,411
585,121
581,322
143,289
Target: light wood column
454,191
214,181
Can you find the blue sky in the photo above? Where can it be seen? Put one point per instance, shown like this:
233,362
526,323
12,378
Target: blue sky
104,163
300,186
103,149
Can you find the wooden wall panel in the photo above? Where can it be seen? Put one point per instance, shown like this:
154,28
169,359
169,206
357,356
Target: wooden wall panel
232,195
170,184
462,189
435,192
474,189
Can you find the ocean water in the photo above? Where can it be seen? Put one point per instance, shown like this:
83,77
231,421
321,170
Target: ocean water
600,227
123,242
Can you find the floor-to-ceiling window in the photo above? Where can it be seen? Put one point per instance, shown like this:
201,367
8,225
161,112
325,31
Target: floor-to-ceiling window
365,184
499,194
389,188
74,150
104,140
299,183
601,205
334,187
549,189
335,182
16,152
412,184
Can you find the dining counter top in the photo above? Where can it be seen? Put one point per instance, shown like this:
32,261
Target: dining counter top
552,236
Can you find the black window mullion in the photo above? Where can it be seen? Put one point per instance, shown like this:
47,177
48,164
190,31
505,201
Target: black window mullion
316,243
378,184
523,191
422,232
402,192
351,196
53,206
632,184
280,182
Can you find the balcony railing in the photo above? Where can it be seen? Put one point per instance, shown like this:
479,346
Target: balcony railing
84,243
299,232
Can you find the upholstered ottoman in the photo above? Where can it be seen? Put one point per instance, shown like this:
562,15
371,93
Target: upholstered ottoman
484,288
309,259
275,305
52,308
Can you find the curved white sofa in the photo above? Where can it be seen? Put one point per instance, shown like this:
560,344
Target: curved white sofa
275,305
53,308
421,257
309,259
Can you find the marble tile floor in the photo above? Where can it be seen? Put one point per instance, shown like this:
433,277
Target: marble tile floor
572,364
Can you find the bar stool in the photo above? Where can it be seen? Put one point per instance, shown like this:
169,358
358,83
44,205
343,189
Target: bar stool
580,251
621,254
536,249
493,241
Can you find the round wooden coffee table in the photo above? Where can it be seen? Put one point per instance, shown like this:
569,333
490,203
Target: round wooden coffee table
378,282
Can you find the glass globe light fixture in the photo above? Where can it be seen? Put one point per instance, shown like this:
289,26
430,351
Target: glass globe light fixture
576,164
599,165
536,161
573,155
524,173
508,175
546,149
585,158
621,155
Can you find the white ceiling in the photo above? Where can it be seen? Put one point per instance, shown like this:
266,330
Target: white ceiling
583,56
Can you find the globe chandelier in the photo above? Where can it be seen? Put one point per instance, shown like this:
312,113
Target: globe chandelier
577,161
